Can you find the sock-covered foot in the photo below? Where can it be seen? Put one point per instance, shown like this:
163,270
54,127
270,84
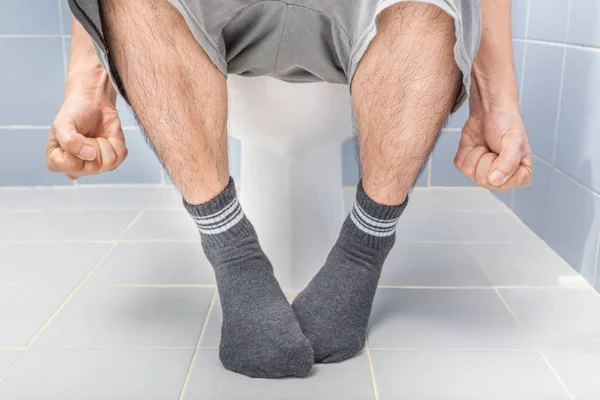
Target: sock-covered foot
260,335
334,308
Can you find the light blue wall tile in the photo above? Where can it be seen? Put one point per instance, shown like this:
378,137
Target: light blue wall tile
141,165
578,143
29,17
125,113
422,180
548,20
66,16
32,81
519,18
573,223
458,119
584,28
443,171
540,99
235,157
518,54
350,163
23,159
531,204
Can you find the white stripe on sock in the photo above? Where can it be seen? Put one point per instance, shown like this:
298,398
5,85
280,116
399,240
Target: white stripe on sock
219,216
379,223
223,228
360,226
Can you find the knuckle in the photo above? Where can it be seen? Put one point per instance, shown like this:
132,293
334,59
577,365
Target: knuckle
69,141
51,164
123,153
110,161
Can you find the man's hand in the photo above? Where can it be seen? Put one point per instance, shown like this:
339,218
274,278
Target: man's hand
85,138
494,150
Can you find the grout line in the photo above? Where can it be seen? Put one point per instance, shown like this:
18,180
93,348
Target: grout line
581,287
151,285
27,127
560,171
530,337
524,61
116,347
12,348
455,349
165,241
522,86
84,186
58,242
429,173
200,337
558,44
561,89
31,36
62,40
371,368
74,291
596,273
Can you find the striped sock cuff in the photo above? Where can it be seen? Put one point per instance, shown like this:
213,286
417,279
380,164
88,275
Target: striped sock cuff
218,215
370,225
372,218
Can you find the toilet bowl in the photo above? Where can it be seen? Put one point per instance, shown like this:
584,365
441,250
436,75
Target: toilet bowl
291,169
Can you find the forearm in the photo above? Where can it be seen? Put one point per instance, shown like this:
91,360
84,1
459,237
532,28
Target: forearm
86,76
493,67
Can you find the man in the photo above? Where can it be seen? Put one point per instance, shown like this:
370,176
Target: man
408,65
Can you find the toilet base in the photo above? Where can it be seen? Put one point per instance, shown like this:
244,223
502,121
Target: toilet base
295,202
291,168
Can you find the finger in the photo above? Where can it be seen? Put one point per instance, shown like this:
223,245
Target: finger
509,159
469,166
60,161
108,156
120,148
461,153
483,169
520,179
73,142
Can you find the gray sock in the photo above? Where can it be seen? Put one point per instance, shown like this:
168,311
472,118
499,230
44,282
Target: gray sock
260,335
334,308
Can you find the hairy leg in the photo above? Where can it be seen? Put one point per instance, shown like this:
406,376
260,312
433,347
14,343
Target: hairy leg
403,91
180,98
178,94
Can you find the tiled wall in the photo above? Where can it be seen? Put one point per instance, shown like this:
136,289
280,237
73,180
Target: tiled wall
557,60
560,102
35,38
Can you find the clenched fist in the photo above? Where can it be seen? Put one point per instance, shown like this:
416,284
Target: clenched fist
494,149
85,138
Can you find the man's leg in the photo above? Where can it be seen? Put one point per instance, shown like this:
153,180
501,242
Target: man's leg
180,98
403,91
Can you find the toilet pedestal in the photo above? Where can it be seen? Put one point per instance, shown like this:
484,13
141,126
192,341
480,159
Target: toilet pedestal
291,177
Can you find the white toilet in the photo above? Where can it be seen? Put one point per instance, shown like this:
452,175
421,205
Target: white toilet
291,169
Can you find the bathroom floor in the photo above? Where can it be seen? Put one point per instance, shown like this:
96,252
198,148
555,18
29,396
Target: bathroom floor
104,294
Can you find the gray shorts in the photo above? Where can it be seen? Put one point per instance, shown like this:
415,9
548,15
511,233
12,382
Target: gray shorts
294,40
